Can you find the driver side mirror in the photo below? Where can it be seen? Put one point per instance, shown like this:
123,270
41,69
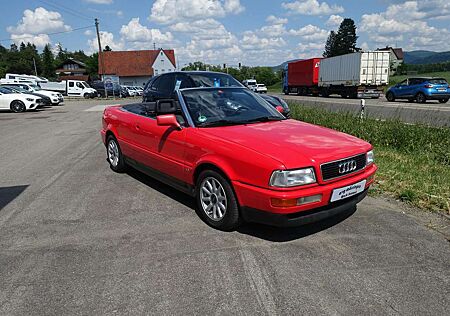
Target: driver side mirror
168,120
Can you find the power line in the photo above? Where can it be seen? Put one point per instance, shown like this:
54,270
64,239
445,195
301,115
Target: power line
54,33
71,11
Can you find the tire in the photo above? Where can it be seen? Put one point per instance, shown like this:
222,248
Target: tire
18,106
443,100
212,188
114,155
421,98
390,97
86,95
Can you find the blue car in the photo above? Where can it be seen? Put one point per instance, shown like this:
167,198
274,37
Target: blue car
420,90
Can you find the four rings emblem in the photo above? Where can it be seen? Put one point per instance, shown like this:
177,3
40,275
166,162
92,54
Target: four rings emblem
347,166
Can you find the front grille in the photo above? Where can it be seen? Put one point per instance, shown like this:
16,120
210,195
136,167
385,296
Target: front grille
338,168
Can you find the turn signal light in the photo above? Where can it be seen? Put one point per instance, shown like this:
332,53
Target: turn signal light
295,202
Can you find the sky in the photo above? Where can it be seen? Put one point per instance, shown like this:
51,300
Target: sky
250,32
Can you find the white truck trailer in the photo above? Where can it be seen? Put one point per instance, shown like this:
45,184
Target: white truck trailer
355,75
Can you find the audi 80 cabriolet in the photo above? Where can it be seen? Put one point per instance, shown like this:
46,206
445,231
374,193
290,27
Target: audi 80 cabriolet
239,157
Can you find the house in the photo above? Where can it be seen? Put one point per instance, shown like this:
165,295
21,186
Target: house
135,68
72,69
396,57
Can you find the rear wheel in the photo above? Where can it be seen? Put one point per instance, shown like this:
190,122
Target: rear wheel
114,155
216,201
17,106
443,100
421,98
390,97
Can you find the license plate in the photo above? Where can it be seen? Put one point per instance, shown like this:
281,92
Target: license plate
441,89
350,190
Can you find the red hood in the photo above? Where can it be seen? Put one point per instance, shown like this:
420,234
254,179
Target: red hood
293,143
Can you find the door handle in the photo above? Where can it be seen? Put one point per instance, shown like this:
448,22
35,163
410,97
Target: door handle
137,127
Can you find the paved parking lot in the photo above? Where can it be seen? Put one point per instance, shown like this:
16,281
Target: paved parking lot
76,238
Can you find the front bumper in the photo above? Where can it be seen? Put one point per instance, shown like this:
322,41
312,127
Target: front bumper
253,198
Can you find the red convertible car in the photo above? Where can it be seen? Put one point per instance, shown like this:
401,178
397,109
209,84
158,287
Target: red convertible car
239,157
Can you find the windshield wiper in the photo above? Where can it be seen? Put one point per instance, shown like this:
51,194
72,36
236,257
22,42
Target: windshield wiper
218,123
263,119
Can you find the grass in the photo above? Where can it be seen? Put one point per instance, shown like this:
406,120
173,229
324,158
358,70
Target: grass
413,160
393,80
276,88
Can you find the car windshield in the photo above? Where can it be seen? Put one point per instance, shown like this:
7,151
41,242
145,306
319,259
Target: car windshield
210,107
213,80
35,87
85,84
437,81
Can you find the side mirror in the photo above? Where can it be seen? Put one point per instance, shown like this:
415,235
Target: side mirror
167,106
168,120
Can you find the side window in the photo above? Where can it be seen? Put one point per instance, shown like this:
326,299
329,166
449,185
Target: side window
404,82
79,85
155,84
167,84
71,84
185,81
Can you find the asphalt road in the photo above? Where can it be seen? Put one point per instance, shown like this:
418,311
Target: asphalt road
431,113
79,239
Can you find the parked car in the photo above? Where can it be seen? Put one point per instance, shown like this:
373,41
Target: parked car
18,102
165,85
259,88
46,101
239,157
56,97
113,90
124,92
131,92
278,103
420,89
139,90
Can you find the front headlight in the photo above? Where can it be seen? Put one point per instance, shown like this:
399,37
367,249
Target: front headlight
369,157
292,178
30,99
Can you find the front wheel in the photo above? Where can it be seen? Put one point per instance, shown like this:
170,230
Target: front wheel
17,106
114,155
390,97
216,201
421,98
443,100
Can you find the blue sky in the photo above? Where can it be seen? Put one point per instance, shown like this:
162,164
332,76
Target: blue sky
253,32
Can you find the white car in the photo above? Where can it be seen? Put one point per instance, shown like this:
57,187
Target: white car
260,88
139,90
55,97
131,91
18,102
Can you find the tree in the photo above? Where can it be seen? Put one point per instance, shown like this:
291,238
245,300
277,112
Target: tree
92,66
346,38
330,45
48,61
343,41
107,48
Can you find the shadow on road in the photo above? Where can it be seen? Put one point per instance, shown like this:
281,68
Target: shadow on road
8,194
275,234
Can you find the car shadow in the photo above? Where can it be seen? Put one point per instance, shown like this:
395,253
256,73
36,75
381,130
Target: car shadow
265,232
8,194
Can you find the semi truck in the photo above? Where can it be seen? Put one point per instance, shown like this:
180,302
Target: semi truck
73,88
355,75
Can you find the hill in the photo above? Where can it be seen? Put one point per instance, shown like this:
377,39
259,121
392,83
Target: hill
420,57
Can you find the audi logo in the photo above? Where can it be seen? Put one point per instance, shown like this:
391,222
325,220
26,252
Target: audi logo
347,166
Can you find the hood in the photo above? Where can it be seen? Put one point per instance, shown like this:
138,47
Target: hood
293,143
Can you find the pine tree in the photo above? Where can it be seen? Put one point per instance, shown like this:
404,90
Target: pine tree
107,48
48,61
346,38
330,45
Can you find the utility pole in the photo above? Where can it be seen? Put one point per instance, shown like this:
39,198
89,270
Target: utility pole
100,53
35,70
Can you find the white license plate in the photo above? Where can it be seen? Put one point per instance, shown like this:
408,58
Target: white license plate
441,89
350,190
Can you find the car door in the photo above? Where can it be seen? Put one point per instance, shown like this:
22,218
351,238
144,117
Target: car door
414,86
3,101
401,89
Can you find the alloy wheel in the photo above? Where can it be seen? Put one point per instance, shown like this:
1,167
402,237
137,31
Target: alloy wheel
213,198
113,153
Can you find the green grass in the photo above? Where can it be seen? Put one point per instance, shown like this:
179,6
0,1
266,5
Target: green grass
276,88
413,160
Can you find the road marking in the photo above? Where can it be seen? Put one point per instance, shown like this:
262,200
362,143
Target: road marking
99,108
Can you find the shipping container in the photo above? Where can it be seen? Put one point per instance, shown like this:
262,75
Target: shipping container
302,76
361,74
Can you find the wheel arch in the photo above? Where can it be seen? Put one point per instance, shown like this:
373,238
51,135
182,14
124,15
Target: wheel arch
206,165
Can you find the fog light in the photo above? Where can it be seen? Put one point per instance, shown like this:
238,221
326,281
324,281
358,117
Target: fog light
309,199
283,202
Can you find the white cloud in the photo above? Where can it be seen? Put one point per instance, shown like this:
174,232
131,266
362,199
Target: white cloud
334,21
404,24
40,40
39,21
251,41
310,33
312,7
107,39
172,11
119,14
100,1
88,32
273,20
137,33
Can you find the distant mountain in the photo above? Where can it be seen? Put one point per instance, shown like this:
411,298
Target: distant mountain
280,67
418,57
